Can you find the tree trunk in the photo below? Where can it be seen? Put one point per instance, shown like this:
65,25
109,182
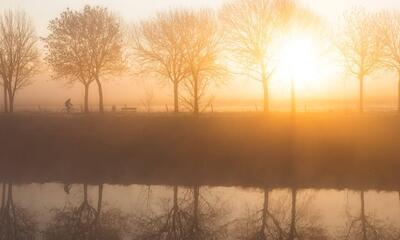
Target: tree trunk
11,210
85,197
361,101
293,95
100,200
176,98
398,91
195,95
86,99
3,196
265,215
363,219
175,214
100,88
5,95
196,196
292,231
98,214
175,198
11,102
266,91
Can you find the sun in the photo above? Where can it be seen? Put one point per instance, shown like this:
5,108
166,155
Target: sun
298,59
305,64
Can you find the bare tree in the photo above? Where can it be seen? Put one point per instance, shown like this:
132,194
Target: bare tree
252,26
67,51
148,98
264,230
172,224
16,223
284,219
104,38
82,223
19,55
202,48
360,47
85,46
158,45
194,219
365,226
388,30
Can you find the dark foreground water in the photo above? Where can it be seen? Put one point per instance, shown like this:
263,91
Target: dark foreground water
47,211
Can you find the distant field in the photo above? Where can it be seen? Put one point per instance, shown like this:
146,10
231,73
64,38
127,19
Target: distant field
243,149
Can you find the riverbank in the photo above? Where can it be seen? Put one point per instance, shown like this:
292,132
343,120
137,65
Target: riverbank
239,149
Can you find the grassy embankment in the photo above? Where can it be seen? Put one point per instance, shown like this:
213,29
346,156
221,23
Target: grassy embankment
279,150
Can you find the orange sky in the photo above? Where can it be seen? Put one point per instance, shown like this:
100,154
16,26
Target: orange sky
130,90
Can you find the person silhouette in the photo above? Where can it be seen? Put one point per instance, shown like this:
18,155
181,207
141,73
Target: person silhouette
68,105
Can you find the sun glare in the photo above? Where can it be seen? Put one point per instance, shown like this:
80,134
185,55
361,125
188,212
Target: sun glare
300,62
298,59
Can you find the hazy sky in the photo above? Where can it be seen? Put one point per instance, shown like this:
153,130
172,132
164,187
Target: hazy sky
44,10
47,92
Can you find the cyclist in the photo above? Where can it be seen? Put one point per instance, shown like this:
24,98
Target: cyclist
68,105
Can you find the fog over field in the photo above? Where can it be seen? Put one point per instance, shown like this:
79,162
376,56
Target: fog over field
236,94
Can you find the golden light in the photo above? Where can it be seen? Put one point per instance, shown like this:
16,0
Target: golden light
304,62
298,59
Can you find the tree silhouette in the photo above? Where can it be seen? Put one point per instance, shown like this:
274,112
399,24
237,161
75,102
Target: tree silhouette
16,223
252,27
360,47
158,46
19,55
148,98
63,226
283,220
202,48
105,42
187,219
85,222
85,46
67,51
388,30
366,227
171,224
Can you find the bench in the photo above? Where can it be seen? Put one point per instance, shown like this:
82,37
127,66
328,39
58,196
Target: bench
128,109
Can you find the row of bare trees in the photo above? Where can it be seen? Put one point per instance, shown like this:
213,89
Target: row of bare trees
193,48
19,55
370,42
85,46
181,46
188,49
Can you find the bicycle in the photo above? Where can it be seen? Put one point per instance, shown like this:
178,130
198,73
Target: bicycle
69,110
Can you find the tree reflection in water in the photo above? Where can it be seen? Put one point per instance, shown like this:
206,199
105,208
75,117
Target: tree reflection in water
366,226
84,222
285,217
195,213
16,223
189,218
